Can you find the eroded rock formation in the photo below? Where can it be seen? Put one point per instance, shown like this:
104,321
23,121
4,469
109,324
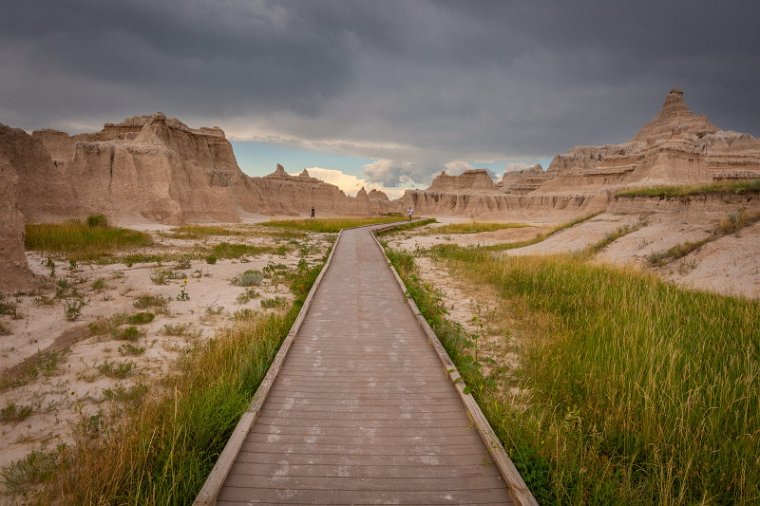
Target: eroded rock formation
44,191
281,193
677,147
14,271
154,168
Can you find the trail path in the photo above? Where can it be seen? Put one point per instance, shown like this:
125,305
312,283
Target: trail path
362,411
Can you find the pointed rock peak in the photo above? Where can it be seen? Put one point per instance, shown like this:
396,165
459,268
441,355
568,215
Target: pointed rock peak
674,119
674,103
304,173
280,170
362,192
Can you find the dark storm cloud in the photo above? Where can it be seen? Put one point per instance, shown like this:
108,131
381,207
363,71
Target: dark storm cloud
416,83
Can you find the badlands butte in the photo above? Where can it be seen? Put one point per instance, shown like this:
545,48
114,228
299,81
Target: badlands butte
155,169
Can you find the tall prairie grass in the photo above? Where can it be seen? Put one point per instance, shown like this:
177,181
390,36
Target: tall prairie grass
637,391
83,241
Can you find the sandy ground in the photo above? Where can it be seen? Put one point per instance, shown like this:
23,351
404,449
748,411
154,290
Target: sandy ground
72,389
412,239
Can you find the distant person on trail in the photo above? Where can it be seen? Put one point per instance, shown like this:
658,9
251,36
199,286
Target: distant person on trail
312,211
410,212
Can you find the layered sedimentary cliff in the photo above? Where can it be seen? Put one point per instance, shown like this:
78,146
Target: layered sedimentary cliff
154,168
677,147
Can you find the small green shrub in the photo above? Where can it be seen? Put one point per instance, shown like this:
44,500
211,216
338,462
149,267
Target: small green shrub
140,318
15,413
131,350
36,468
130,333
72,308
118,370
211,259
97,220
146,301
248,278
276,302
178,330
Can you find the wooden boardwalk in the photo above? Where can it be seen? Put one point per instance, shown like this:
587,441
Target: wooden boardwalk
362,410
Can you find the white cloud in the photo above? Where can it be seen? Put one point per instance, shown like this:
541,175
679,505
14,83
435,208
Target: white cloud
351,184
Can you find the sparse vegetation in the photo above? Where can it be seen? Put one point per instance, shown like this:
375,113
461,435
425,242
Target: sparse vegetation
140,318
179,329
735,187
118,370
609,239
128,333
72,308
330,225
274,303
15,413
520,244
40,364
131,350
472,228
248,278
158,303
36,468
163,450
202,231
120,393
730,224
82,241
636,391
247,295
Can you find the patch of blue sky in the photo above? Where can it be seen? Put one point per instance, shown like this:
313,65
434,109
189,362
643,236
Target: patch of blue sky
259,158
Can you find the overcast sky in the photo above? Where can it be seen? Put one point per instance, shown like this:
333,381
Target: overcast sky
412,85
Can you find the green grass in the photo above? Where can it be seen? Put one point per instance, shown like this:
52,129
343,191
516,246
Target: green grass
167,443
735,187
472,228
80,241
639,392
329,225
